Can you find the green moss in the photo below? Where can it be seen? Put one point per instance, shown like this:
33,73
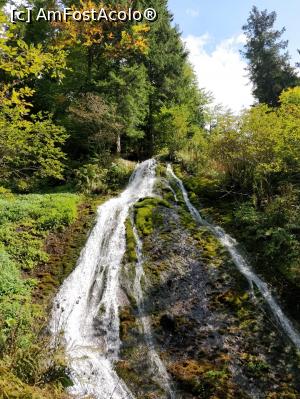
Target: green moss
287,394
161,169
153,271
201,186
211,249
201,378
144,214
185,217
234,300
127,322
130,242
254,365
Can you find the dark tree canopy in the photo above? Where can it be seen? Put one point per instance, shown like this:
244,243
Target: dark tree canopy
119,82
268,61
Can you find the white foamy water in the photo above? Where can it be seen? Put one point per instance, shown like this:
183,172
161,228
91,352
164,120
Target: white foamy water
232,246
85,311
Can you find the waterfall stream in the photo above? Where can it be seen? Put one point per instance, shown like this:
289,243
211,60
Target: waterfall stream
232,247
159,371
85,311
85,315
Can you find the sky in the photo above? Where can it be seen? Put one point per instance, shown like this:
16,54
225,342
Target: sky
213,35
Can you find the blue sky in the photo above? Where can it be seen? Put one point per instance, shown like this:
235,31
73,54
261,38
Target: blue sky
212,32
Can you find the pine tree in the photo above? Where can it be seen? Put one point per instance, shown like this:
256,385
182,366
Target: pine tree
269,67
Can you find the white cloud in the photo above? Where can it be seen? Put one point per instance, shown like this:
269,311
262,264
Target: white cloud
192,12
221,71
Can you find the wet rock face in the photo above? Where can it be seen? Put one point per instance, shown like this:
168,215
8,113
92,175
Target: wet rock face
168,323
214,338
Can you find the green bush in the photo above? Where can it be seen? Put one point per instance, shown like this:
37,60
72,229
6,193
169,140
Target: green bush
26,220
91,178
273,232
118,174
11,282
96,179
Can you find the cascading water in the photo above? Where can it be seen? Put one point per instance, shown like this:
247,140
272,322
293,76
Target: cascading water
232,246
85,312
158,369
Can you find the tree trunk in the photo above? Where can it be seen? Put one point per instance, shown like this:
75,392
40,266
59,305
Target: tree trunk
89,65
119,144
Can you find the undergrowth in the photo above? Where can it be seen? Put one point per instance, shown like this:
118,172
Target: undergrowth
27,368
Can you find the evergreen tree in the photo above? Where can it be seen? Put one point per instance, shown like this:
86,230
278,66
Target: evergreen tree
134,74
165,64
269,67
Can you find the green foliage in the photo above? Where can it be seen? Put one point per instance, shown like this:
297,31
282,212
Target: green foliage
30,143
174,124
30,150
23,246
119,173
128,88
254,149
273,232
269,69
11,282
249,173
94,124
91,178
290,97
94,178
25,221
113,88
26,359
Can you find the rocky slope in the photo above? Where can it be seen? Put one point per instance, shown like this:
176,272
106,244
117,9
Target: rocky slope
215,339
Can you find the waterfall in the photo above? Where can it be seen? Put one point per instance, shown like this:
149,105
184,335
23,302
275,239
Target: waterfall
85,310
232,247
158,369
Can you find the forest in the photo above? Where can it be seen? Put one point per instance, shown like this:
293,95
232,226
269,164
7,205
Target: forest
80,105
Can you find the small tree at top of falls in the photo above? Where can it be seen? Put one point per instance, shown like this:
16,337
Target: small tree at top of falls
269,68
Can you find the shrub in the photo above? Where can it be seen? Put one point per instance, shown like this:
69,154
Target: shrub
119,173
11,282
90,178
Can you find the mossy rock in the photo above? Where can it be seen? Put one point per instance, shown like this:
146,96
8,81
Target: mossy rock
283,395
127,322
161,170
154,271
232,299
212,250
200,378
144,214
130,242
255,366
185,217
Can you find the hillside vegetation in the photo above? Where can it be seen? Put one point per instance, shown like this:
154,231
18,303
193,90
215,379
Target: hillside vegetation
79,105
26,221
